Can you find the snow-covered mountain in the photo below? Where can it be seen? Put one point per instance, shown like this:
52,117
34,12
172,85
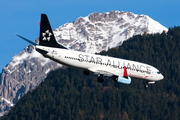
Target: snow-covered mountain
93,33
100,31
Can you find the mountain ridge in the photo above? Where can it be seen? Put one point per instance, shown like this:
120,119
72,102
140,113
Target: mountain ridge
98,30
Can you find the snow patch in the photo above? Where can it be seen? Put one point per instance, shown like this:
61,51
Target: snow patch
19,59
16,60
7,101
155,27
47,71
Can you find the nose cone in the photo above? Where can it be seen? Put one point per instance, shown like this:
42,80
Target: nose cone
161,77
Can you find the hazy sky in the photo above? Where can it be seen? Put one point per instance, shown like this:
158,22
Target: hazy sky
23,16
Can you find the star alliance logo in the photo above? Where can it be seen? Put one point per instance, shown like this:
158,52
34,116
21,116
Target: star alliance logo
47,35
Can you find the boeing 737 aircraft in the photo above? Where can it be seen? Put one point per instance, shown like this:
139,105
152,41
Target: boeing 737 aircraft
119,70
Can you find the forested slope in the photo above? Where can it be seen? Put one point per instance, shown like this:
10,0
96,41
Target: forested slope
68,94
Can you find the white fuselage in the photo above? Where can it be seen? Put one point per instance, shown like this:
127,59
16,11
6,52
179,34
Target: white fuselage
113,65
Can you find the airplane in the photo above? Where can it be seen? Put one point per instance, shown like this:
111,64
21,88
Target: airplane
119,70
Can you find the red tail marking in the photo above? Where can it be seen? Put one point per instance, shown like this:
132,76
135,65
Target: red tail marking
125,72
40,24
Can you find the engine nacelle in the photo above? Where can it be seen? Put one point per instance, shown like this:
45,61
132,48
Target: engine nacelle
124,80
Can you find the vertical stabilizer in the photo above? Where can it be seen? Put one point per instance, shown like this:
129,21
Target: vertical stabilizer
46,37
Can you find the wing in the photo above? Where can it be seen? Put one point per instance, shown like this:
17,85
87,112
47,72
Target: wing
105,72
118,76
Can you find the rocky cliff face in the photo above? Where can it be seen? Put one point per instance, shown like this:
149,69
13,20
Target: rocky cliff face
100,31
94,33
23,74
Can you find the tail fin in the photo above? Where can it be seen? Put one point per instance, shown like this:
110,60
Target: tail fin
46,37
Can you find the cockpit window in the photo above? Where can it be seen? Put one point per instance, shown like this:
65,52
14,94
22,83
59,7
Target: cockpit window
158,73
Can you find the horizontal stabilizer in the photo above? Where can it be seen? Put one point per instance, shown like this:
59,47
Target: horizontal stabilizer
27,40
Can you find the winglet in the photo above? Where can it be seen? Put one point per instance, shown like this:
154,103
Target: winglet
27,40
125,72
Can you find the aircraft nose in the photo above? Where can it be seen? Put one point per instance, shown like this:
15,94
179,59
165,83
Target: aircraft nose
162,77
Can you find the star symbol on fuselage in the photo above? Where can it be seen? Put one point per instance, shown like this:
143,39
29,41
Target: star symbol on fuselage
46,35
